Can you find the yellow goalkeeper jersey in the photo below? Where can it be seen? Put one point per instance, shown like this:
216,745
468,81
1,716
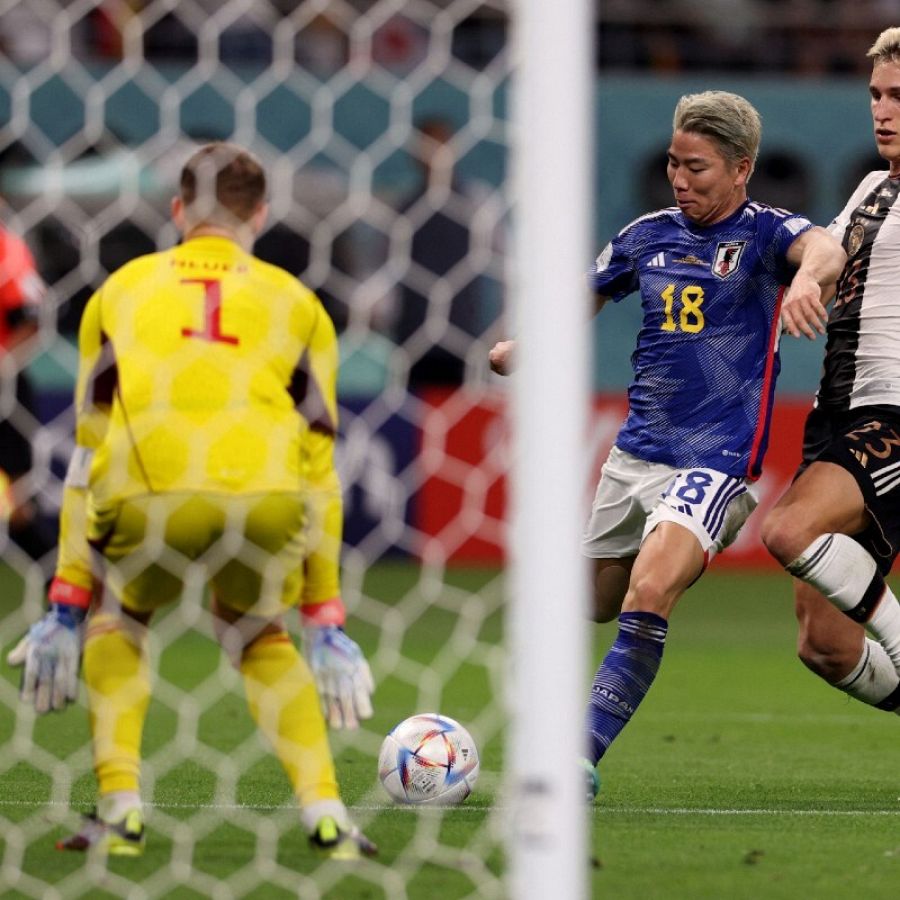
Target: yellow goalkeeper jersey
203,368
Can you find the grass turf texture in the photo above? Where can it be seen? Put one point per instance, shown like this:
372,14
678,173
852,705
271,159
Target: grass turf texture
742,776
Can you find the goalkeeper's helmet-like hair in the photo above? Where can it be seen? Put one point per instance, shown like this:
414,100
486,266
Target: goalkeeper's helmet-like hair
728,119
222,183
886,48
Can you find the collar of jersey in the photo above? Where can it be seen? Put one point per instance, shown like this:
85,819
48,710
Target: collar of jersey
705,229
213,240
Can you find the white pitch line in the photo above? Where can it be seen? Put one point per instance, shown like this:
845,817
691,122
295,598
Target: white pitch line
690,811
263,807
489,807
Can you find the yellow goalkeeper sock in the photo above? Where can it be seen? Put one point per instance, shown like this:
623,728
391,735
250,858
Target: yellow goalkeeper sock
118,681
284,702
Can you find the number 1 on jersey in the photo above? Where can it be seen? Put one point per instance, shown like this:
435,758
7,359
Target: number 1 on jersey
212,313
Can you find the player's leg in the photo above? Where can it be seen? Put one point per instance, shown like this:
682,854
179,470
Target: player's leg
611,577
138,579
610,583
837,650
628,490
809,531
669,561
251,591
700,513
116,674
828,643
823,499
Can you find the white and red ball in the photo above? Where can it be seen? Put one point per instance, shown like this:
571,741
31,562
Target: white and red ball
428,759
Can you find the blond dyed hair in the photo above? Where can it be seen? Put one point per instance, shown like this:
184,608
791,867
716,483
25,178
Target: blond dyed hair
886,48
729,120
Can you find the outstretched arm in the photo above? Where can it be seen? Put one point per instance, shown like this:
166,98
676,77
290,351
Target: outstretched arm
51,650
502,355
820,259
342,674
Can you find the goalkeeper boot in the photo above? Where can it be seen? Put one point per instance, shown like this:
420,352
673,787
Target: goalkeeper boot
124,837
591,780
334,842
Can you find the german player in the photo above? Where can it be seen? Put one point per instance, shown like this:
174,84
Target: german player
837,529
206,416
678,484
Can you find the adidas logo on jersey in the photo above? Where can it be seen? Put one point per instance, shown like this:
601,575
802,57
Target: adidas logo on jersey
657,262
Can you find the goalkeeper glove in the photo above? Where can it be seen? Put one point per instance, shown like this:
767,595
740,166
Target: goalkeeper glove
52,657
342,675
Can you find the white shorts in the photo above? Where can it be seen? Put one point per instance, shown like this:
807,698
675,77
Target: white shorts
634,496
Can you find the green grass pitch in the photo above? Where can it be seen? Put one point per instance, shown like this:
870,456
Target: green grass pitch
741,776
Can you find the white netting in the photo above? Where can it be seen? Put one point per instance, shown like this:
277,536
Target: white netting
382,125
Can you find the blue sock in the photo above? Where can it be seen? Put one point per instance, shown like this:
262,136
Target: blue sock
624,677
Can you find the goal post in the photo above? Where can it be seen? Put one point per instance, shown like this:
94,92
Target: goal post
551,139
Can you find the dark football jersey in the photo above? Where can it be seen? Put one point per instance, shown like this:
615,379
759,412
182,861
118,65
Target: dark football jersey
707,354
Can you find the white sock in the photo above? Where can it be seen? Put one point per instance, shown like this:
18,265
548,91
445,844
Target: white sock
846,574
874,679
113,806
885,625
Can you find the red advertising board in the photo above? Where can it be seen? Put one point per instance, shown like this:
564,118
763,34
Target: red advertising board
465,456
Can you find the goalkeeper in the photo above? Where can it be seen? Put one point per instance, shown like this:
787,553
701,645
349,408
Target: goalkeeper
206,416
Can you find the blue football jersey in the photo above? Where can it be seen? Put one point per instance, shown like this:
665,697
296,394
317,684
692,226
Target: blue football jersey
707,354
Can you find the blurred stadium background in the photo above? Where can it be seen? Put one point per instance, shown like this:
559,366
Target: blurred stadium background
384,126
352,104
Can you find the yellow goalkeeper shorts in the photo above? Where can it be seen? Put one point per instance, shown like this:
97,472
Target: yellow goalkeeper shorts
249,548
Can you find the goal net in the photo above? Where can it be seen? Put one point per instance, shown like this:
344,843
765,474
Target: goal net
382,125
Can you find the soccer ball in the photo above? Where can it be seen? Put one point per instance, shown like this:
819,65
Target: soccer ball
428,759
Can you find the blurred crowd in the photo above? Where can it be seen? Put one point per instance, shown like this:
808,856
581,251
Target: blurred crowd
322,38
812,37
803,36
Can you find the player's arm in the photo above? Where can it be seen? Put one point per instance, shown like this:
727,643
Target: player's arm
502,355
342,674
93,400
819,259
321,600
52,648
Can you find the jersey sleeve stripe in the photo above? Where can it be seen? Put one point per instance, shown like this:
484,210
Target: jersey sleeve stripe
754,463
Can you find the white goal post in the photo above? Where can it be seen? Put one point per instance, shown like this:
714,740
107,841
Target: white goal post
552,190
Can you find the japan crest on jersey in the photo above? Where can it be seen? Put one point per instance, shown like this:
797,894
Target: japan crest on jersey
728,256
